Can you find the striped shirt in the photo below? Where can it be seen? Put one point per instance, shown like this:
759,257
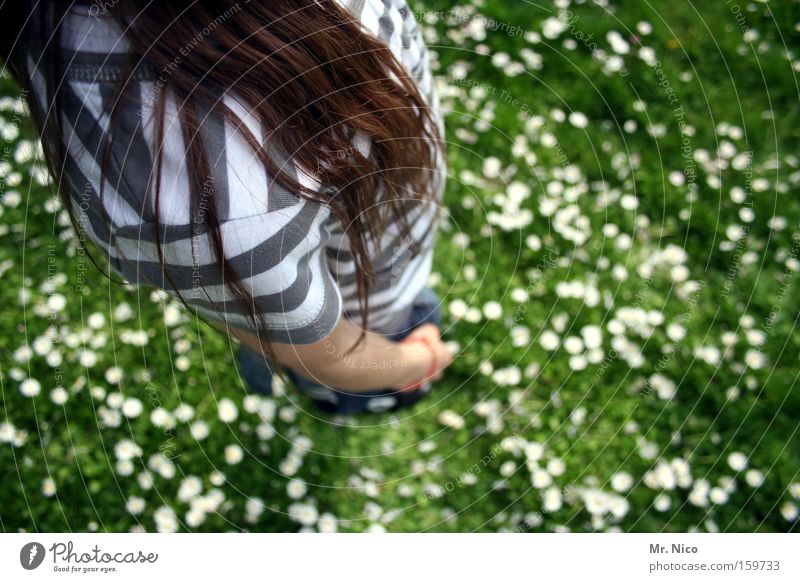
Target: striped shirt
290,252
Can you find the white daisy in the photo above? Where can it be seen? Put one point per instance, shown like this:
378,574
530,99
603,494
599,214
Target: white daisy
296,488
492,310
737,461
59,396
233,454
30,387
227,410
621,481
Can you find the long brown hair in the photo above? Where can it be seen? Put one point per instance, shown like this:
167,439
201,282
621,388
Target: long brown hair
312,76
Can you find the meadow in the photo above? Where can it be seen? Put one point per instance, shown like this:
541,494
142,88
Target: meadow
619,273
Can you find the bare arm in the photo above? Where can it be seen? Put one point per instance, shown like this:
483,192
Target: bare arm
377,363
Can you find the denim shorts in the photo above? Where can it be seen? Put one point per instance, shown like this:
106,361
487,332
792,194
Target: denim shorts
256,371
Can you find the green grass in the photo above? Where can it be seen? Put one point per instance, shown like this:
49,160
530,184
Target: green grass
600,421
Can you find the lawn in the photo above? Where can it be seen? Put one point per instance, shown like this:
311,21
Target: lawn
619,270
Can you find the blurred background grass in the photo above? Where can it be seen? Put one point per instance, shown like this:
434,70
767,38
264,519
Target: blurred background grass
407,472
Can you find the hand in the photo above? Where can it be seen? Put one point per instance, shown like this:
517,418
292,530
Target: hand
437,355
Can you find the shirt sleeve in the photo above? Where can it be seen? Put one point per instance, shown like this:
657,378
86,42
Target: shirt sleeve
280,256
274,240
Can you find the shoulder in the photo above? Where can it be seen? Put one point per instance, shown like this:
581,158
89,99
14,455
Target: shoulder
390,20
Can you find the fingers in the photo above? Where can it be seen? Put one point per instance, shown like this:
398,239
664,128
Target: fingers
412,387
444,358
429,330
430,334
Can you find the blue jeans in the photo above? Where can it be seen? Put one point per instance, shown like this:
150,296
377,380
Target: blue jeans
256,370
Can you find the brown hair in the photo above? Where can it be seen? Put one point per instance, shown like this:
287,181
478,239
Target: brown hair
312,76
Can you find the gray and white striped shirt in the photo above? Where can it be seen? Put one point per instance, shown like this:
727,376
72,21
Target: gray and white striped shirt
290,252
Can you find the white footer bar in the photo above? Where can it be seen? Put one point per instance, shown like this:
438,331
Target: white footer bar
401,557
